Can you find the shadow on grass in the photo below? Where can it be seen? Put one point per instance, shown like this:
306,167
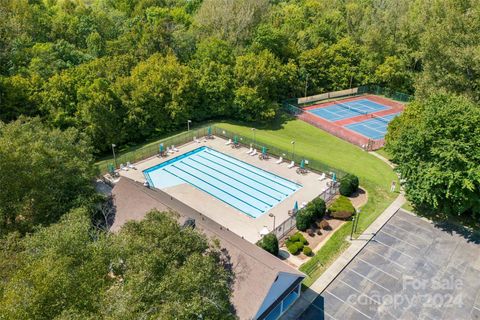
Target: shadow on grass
276,124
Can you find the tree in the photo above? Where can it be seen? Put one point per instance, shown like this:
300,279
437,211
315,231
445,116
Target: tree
43,173
269,243
436,145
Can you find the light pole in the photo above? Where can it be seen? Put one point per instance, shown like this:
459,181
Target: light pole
358,219
353,224
271,215
293,150
114,157
188,124
253,130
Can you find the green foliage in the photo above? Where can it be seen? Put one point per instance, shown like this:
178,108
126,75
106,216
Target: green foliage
341,208
307,251
436,145
44,173
348,185
304,219
292,248
69,270
269,243
318,208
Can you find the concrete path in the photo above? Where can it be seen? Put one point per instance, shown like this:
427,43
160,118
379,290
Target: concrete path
329,275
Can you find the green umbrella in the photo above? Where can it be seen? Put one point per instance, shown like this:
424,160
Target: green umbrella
235,139
334,177
302,164
264,150
209,131
111,169
295,207
161,147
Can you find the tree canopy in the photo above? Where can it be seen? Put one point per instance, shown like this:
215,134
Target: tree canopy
436,144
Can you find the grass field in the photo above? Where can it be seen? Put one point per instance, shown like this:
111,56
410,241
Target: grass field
312,143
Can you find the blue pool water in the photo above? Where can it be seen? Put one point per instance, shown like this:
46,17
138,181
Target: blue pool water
247,188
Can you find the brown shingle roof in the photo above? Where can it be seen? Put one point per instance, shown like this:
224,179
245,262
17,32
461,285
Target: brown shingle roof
255,269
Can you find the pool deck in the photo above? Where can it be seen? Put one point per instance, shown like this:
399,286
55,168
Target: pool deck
222,213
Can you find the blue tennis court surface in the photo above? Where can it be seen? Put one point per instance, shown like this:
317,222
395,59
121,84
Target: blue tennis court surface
247,188
374,128
345,110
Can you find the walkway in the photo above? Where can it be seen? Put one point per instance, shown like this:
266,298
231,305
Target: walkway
329,275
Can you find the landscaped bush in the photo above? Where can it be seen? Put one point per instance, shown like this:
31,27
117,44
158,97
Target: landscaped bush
269,243
348,185
292,248
310,232
299,245
319,232
307,251
304,219
318,207
342,208
324,225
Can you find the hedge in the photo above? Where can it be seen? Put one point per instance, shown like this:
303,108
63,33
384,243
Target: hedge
342,208
348,185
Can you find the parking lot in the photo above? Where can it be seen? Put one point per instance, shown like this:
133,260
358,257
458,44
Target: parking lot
411,269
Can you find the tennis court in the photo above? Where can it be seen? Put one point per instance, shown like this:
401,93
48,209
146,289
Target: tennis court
349,109
375,128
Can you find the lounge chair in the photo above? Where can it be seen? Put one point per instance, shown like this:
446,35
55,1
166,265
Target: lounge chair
280,160
322,177
171,151
291,165
122,167
250,150
229,142
130,166
174,149
254,152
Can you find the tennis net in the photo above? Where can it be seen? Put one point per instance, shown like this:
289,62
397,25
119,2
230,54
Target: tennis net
362,112
380,118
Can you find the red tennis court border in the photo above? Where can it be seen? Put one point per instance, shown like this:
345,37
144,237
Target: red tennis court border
337,127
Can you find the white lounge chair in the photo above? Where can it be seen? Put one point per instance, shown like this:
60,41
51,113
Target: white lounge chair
280,160
250,150
174,149
322,177
130,166
291,165
122,167
229,142
254,152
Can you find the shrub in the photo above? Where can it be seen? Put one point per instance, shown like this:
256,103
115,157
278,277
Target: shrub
319,232
348,185
292,248
299,245
318,208
325,225
342,208
301,238
304,219
269,243
307,251
295,237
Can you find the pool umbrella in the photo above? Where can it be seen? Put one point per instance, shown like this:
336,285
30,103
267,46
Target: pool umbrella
264,231
334,176
264,150
295,206
209,131
302,164
160,148
235,139
111,169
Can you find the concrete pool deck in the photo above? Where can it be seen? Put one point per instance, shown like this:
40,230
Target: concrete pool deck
229,217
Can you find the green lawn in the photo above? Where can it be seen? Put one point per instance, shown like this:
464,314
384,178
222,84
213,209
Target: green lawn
317,145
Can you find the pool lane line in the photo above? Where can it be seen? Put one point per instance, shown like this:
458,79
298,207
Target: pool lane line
222,155
236,164
224,201
226,183
191,174
242,176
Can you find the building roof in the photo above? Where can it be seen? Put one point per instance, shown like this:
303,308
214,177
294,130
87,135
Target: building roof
255,269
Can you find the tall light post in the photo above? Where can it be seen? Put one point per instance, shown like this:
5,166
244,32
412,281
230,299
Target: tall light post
293,150
188,124
271,215
253,130
358,219
353,224
114,157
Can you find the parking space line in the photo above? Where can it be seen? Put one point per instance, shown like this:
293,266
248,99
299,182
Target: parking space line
390,260
361,293
368,279
478,308
386,245
348,304
388,234
414,225
387,273
321,310
409,232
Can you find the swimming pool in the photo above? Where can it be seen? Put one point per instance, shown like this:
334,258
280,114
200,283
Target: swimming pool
249,189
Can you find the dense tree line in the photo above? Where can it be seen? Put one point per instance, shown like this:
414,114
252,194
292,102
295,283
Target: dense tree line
121,71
